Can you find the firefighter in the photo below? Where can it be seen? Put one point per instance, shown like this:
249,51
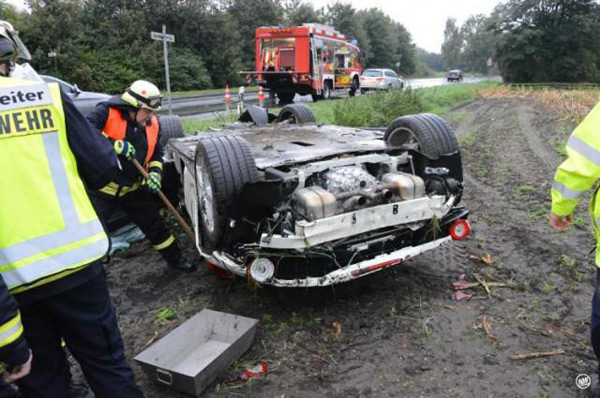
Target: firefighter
576,175
128,120
52,285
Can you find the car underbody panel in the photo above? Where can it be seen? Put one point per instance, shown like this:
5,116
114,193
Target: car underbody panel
303,205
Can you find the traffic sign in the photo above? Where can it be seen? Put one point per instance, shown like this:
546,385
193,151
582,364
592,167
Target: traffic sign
162,36
165,38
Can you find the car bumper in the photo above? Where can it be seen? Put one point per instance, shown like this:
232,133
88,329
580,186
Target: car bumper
373,86
345,274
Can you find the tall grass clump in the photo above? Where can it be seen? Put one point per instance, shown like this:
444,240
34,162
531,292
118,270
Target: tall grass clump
572,105
377,109
380,108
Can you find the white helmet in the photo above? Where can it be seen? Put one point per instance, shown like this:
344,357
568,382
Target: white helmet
143,94
11,46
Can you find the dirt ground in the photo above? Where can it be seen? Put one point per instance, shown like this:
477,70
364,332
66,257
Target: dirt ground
402,331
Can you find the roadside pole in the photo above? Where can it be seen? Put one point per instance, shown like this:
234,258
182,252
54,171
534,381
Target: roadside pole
241,92
52,54
165,38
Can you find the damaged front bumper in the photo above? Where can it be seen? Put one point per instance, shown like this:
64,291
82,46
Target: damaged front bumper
344,274
311,234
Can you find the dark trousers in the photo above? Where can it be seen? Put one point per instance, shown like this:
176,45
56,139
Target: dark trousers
142,208
85,319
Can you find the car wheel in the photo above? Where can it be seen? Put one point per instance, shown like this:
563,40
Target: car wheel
427,133
223,166
296,114
353,88
286,98
432,136
170,127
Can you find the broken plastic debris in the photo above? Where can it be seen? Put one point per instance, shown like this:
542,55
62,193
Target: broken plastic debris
260,369
459,295
460,283
337,330
487,259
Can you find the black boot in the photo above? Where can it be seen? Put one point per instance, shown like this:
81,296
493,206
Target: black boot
173,256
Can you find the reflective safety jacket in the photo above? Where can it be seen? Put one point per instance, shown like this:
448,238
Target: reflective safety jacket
580,171
48,227
111,118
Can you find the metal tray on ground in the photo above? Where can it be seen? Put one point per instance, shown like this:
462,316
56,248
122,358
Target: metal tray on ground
193,355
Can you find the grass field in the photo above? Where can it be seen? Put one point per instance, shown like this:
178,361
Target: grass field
374,110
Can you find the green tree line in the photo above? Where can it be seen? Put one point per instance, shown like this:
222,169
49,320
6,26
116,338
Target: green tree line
529,41
103,45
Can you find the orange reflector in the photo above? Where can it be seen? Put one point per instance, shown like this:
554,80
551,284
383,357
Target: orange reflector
220,273
460,229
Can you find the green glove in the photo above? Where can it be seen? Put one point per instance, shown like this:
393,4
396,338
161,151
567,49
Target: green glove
124,148
153,182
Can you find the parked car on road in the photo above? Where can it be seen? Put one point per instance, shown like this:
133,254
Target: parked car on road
380,79
455,75
85,101
299,204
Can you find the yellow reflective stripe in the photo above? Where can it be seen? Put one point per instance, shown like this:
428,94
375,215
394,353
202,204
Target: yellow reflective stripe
55,261
155,163
567,193
585,149
112,188
11,330
168,242
51,278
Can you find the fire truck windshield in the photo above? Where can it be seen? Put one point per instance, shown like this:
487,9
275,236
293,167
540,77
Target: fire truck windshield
278,54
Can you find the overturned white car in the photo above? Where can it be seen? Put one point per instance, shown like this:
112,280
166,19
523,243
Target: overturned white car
293,203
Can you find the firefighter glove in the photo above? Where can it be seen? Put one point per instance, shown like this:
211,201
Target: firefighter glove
124,148
153,182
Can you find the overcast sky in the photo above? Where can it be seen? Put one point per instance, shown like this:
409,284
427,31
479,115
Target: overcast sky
424,19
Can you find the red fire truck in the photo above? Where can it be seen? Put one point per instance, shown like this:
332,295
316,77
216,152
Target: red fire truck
309,59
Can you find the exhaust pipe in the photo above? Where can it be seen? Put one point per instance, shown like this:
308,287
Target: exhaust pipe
354,202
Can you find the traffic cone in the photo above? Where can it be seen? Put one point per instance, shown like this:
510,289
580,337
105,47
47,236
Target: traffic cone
261,96
227,97
227,93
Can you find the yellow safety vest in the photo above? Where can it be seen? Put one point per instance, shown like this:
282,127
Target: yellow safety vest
580,171
48,227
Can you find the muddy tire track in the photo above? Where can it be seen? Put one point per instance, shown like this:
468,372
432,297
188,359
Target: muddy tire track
537,145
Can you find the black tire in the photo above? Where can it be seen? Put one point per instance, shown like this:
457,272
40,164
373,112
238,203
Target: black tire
286,98
170,127
228,164
354,87
432,134
296,114
363,91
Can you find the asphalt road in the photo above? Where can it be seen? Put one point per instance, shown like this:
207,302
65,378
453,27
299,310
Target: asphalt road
199,107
